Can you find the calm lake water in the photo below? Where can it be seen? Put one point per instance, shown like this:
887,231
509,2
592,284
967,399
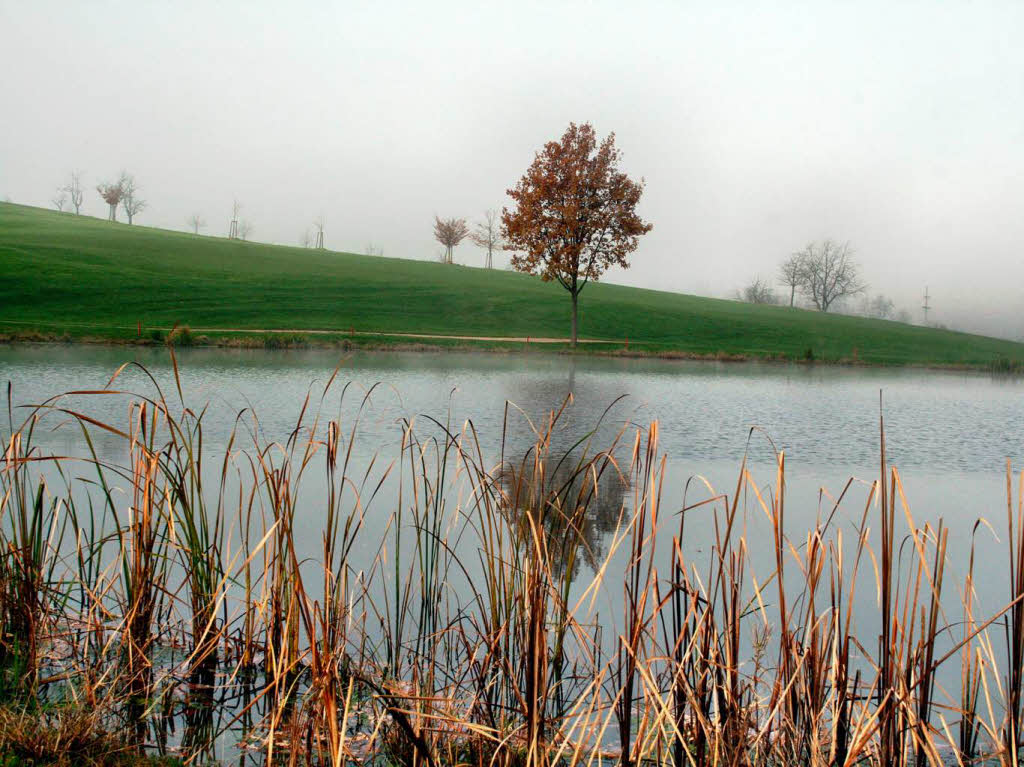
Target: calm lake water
949,434
825,418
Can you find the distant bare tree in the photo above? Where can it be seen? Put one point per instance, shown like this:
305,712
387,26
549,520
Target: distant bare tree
306,240
318,226
792,274
831,273
487,234
196,222
880,306
60,199
373,250
112,194
244,229
450,232
75,191
758,292
132,203
236,208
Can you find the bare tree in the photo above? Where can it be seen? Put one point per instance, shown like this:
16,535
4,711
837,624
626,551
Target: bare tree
132,203
196,222
792,274
318,226
60,199
880,306
236,208
449,232
112,193
75,191
373,250
487,234
831,273
306,240
244,229
758,292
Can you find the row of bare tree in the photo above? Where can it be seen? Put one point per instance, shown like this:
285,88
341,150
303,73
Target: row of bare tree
241,229
238,229
486,234
826,275
122,192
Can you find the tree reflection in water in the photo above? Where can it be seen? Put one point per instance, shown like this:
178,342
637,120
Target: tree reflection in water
559,485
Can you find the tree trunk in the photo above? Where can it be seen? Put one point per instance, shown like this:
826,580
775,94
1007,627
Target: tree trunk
113,213
575,301
792,295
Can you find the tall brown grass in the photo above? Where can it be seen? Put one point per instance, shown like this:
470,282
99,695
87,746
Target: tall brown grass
143,597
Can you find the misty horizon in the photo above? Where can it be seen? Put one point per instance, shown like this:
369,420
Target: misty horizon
898,130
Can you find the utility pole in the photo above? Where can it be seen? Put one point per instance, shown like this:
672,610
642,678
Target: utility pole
926,305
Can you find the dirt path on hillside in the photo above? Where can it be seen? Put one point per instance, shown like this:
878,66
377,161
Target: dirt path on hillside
510,339
379,333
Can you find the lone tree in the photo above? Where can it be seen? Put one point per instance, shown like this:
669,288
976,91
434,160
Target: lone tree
574,213
449,232
132,203
74,190
487,234
830,273
196,222
792,274
60,199
112,194
318,226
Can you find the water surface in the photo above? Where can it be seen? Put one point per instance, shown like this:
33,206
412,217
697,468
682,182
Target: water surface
949,433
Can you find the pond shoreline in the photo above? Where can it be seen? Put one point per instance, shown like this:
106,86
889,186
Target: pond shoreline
278,340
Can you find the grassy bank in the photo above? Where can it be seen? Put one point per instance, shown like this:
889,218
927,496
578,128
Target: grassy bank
84,278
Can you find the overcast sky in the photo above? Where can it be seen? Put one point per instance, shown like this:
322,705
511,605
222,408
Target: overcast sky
757,126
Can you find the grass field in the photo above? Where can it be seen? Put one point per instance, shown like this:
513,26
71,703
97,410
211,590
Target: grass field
87,278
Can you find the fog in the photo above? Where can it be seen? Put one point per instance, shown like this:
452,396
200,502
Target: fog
758,127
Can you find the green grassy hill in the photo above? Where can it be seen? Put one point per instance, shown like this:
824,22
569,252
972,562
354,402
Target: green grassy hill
86,277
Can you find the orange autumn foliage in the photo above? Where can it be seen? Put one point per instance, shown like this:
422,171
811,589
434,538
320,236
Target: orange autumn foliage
575,213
